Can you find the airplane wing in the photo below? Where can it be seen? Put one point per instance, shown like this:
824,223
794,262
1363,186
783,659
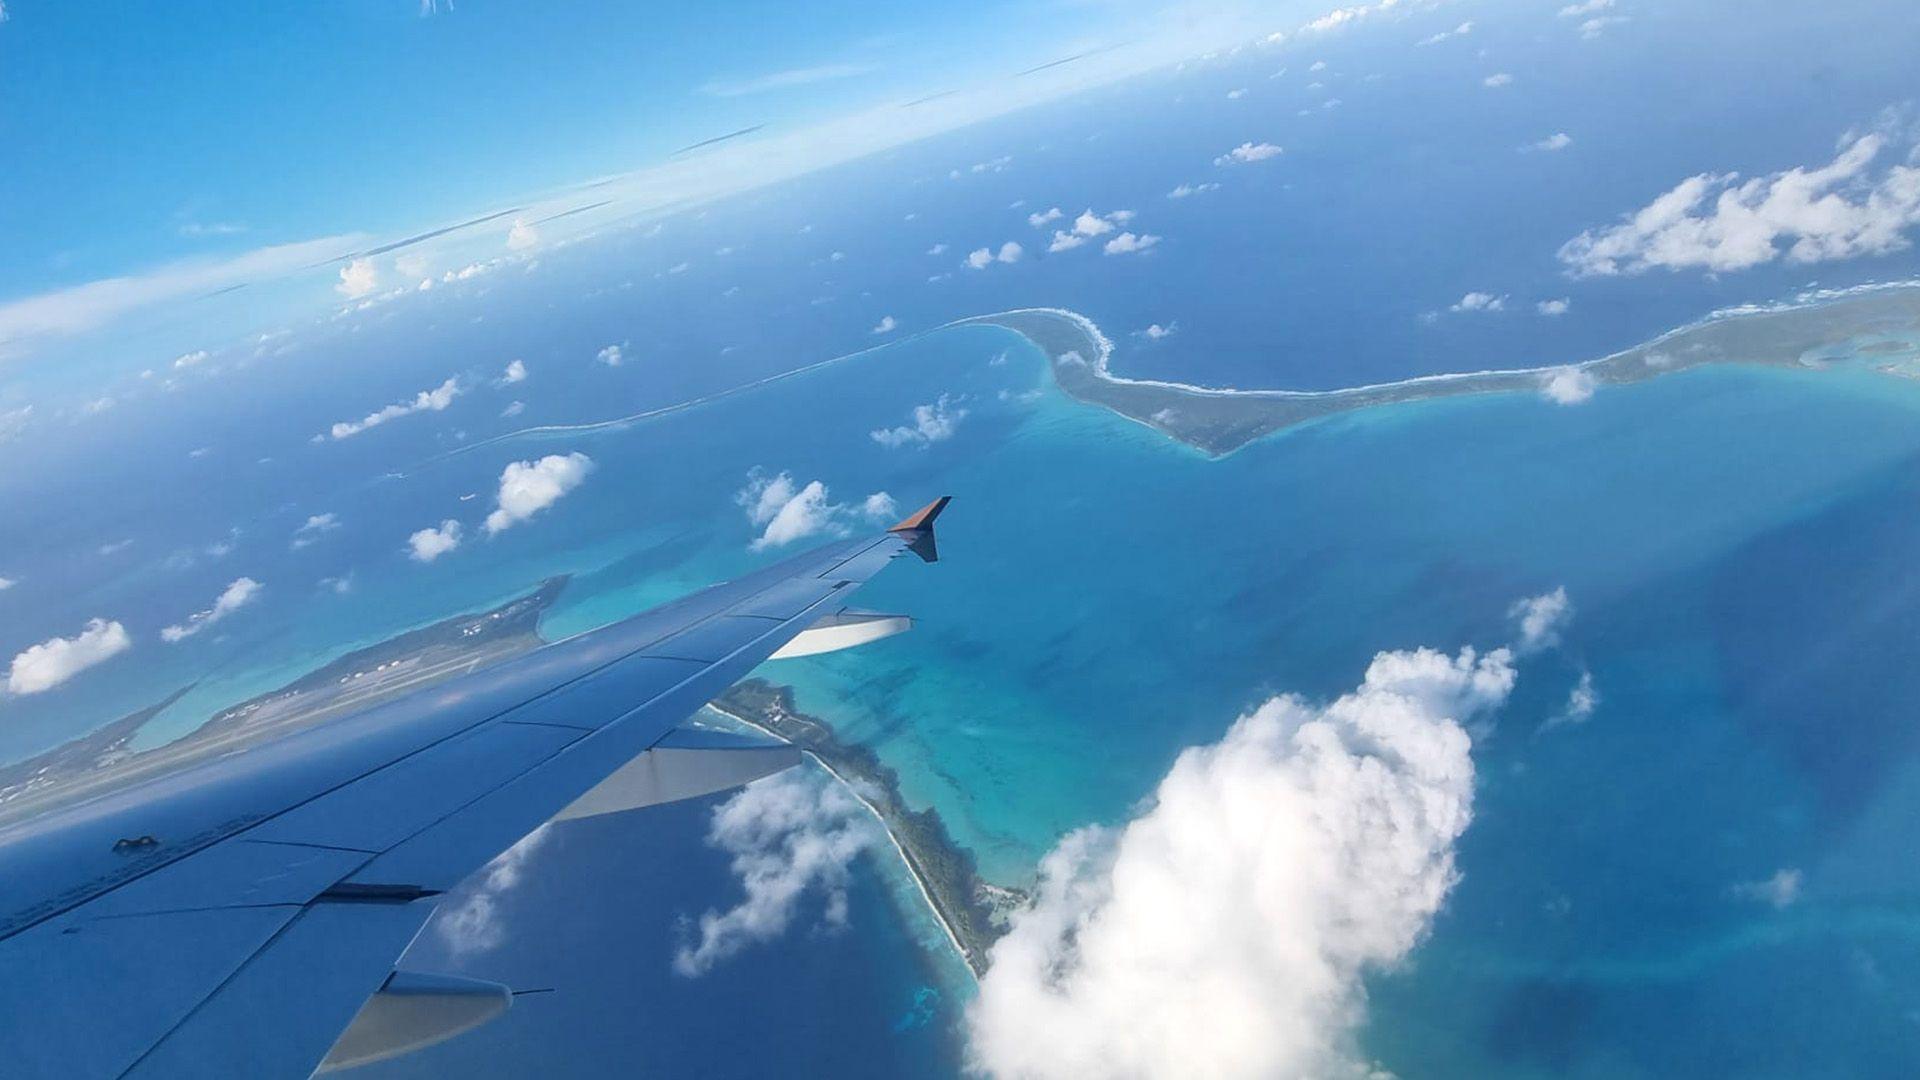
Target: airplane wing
243,917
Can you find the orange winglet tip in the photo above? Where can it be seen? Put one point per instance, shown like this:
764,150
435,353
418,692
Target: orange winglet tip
922,518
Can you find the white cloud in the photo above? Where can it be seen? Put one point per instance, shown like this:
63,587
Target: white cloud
1247,153
429,544
472,923
7,583
885,325
783,80
1092,224
1840,210
937,249
1594,27
1127,243
1559,140
787,512
239,594
1462,30
1270,873
433,400
516,372
1582,700
1236,95
1065,241
1156,332
929,424
1040,218
1587,7
514,408
880,506
1780,890
1554,307
789,835
1479,301
1317,65
312,529
54,661
1568,386
522,236
1186,190
1541,619
1497,80
192,359
528,487
982,258
612,356
357,279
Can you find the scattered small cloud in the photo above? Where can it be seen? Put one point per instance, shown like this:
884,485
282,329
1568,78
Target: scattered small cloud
434,400
786,512
239,594
1554,307
528,487
313,528
431,543
46,665
1479,301
1462,30
982,258
7,583
514,408
1541,619
886,325
1559,140
1247,153
1586,7
1497,79
522,236
1042,217
516,372
1188,190
357,279
1157,332
472,923
1781,890
1569,385
928,424
1236,94
611,355
791,834
1582,700
191,359
1128,243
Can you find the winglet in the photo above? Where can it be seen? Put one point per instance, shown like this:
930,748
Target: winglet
917,528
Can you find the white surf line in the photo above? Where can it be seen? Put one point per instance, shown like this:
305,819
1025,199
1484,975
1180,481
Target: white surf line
854,790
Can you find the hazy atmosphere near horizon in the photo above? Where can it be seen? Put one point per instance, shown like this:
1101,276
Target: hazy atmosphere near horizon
1430,588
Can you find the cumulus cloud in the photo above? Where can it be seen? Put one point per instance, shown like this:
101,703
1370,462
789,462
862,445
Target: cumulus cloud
1582,700
192,359
1127,243
522,236
239,594
1269,874
1497,80
1559,140
429,544
786,512
472,923
1247,153
1540,619
927,424
1780,890
1586,7
879,506
1041,217
1088,225
885,325
7,583
982,258
789,835
612,356
1568,385
1594,27
312,529
516,372
514,408
357,279
1554,307
1187,190
528,487
1156,332
937,249
46,665
434,400
1479,301
1840,210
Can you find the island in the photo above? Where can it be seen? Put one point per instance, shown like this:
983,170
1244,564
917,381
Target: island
1217,421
